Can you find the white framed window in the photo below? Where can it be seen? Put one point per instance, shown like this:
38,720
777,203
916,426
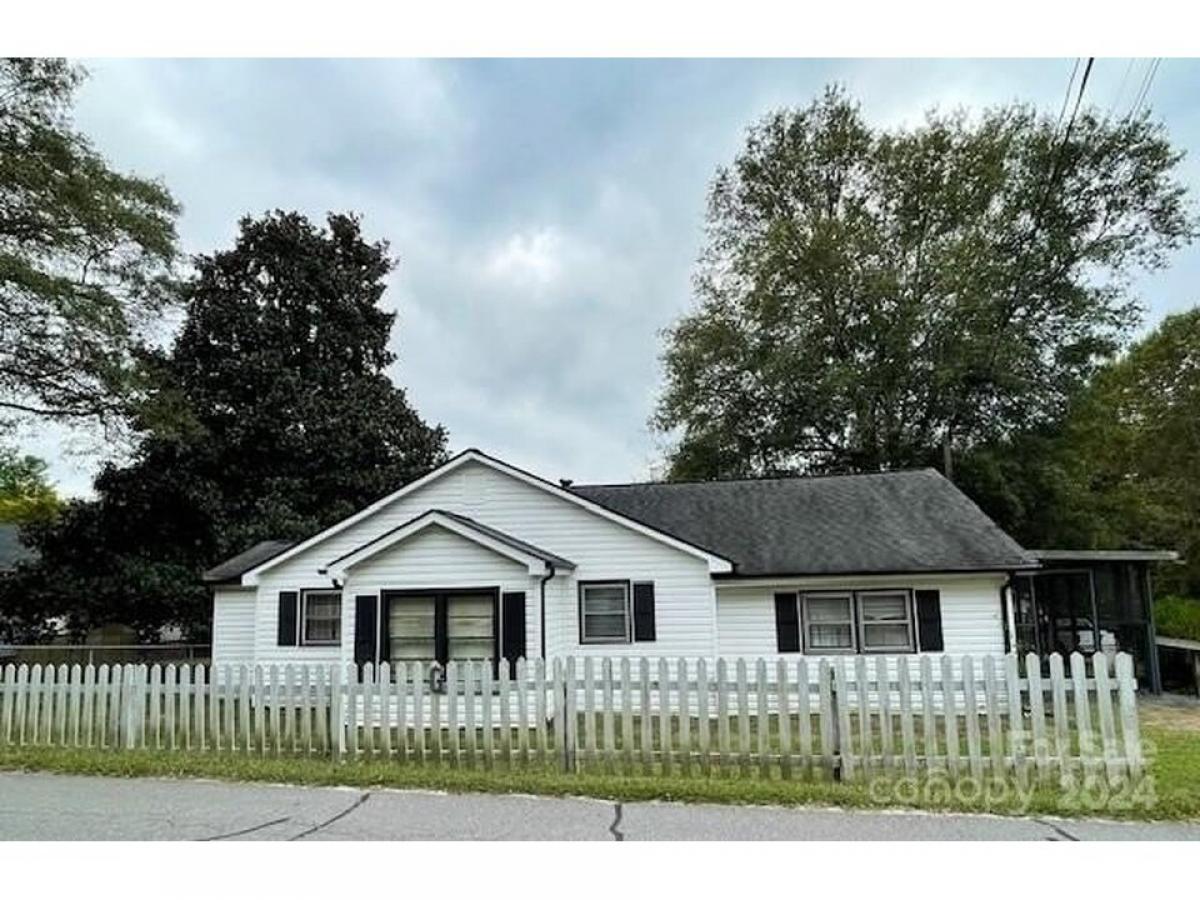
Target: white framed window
321,618
886,622
828,622
604,616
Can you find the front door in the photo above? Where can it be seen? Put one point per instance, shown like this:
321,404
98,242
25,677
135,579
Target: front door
441,625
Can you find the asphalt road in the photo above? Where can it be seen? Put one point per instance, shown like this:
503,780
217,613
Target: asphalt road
50,807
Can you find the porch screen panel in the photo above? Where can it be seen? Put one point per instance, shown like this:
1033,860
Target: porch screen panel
411,625
470,626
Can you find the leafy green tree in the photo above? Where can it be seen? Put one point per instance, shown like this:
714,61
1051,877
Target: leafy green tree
875,298
1132,449
26,494
291,424
84,254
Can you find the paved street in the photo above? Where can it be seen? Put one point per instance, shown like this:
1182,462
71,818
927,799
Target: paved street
47,807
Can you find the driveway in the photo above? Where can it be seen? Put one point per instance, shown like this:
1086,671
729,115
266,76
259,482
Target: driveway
36,806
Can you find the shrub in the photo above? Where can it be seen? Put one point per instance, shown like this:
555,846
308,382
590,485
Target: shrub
1178,617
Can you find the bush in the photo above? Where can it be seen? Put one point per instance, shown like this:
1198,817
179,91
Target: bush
1178,617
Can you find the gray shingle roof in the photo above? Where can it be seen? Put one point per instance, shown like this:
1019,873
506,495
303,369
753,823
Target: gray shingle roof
913,521
232,568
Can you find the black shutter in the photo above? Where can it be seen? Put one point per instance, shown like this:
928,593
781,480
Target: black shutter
512,615
289,619
385,628
929,620
787,623
365,629
643,611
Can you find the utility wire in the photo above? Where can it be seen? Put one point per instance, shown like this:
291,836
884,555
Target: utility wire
1112,110
1144,92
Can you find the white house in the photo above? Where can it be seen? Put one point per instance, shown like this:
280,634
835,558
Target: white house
481,560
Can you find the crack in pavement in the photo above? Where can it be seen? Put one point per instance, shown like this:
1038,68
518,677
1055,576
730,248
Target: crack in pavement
1061,832
345,812
614,828
240,832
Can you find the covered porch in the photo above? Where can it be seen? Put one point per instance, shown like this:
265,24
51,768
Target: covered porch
1091,601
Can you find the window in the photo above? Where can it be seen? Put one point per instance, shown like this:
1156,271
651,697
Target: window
322,617
604,612
858,622
886,622
829,622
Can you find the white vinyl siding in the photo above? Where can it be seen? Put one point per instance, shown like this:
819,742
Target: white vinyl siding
602,550
233,626
972,614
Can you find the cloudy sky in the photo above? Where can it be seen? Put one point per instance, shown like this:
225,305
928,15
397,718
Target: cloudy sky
547,214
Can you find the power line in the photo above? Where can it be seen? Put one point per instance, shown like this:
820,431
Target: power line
1112,110
1067,96
1144,93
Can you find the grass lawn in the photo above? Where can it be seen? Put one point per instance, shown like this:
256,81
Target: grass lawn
1171,792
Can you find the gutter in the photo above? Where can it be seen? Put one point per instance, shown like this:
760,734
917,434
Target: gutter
542,630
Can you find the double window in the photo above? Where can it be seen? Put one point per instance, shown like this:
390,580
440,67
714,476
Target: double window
321,618
604,615
858,621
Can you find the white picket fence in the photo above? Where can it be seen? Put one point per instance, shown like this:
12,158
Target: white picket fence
845,717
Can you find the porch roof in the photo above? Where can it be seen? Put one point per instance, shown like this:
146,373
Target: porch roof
1105,555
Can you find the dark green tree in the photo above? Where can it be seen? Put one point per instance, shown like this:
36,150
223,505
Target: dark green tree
84,256
872,298
287,422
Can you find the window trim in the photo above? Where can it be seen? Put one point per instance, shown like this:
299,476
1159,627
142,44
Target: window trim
805,643
857,631
910,621
626,585
303,623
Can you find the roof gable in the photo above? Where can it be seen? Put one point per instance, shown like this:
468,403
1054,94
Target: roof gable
538,561
716,563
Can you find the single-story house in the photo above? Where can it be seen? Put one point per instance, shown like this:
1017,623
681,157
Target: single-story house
481,560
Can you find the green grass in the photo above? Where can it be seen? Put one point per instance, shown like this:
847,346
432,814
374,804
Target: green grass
1177,617
1171,792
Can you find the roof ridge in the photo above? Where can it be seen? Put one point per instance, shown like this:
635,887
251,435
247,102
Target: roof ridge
758,479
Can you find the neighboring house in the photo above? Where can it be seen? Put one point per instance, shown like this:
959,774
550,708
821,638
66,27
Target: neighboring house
481,560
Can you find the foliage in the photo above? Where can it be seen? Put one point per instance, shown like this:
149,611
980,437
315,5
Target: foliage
291,422
84,254
868,295
25,493
1177,617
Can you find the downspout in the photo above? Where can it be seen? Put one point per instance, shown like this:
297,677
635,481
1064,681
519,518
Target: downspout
542,630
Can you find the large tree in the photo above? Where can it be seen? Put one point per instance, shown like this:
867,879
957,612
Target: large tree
285,421
873,298
84,255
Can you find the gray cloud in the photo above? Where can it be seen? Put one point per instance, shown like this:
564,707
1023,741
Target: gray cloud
546,213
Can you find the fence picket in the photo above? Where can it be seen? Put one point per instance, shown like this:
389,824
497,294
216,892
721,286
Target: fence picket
645,717
10,701
488,719
1108,732
505,717
762,718
243,708
1016,718
883,687
995,731
607,730
684,711
1129,719
1037,715
743,718
907,733
452,694
703,723
971,712
825,715
539,700
470,693
950,716
866,749
850,763
522,669
804,715
665,748
418,701
320,710
289,709
589,711
626,715
304,707
60,704
404,746
1083,713
783,709
1062,734
33,709
722,715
